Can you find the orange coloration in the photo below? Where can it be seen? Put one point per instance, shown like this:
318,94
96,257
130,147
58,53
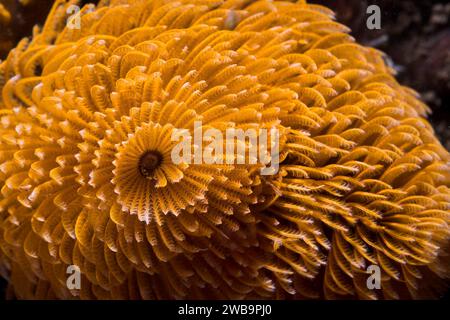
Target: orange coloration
5,15
86,176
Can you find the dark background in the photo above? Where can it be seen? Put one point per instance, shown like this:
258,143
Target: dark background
414,33
416,36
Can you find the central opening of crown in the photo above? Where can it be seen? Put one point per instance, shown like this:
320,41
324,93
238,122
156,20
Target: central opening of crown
148,162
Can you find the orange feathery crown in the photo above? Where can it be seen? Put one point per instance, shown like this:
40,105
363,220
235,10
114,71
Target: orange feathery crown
87,179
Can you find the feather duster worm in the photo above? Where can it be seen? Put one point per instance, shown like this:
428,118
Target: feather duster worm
86,116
